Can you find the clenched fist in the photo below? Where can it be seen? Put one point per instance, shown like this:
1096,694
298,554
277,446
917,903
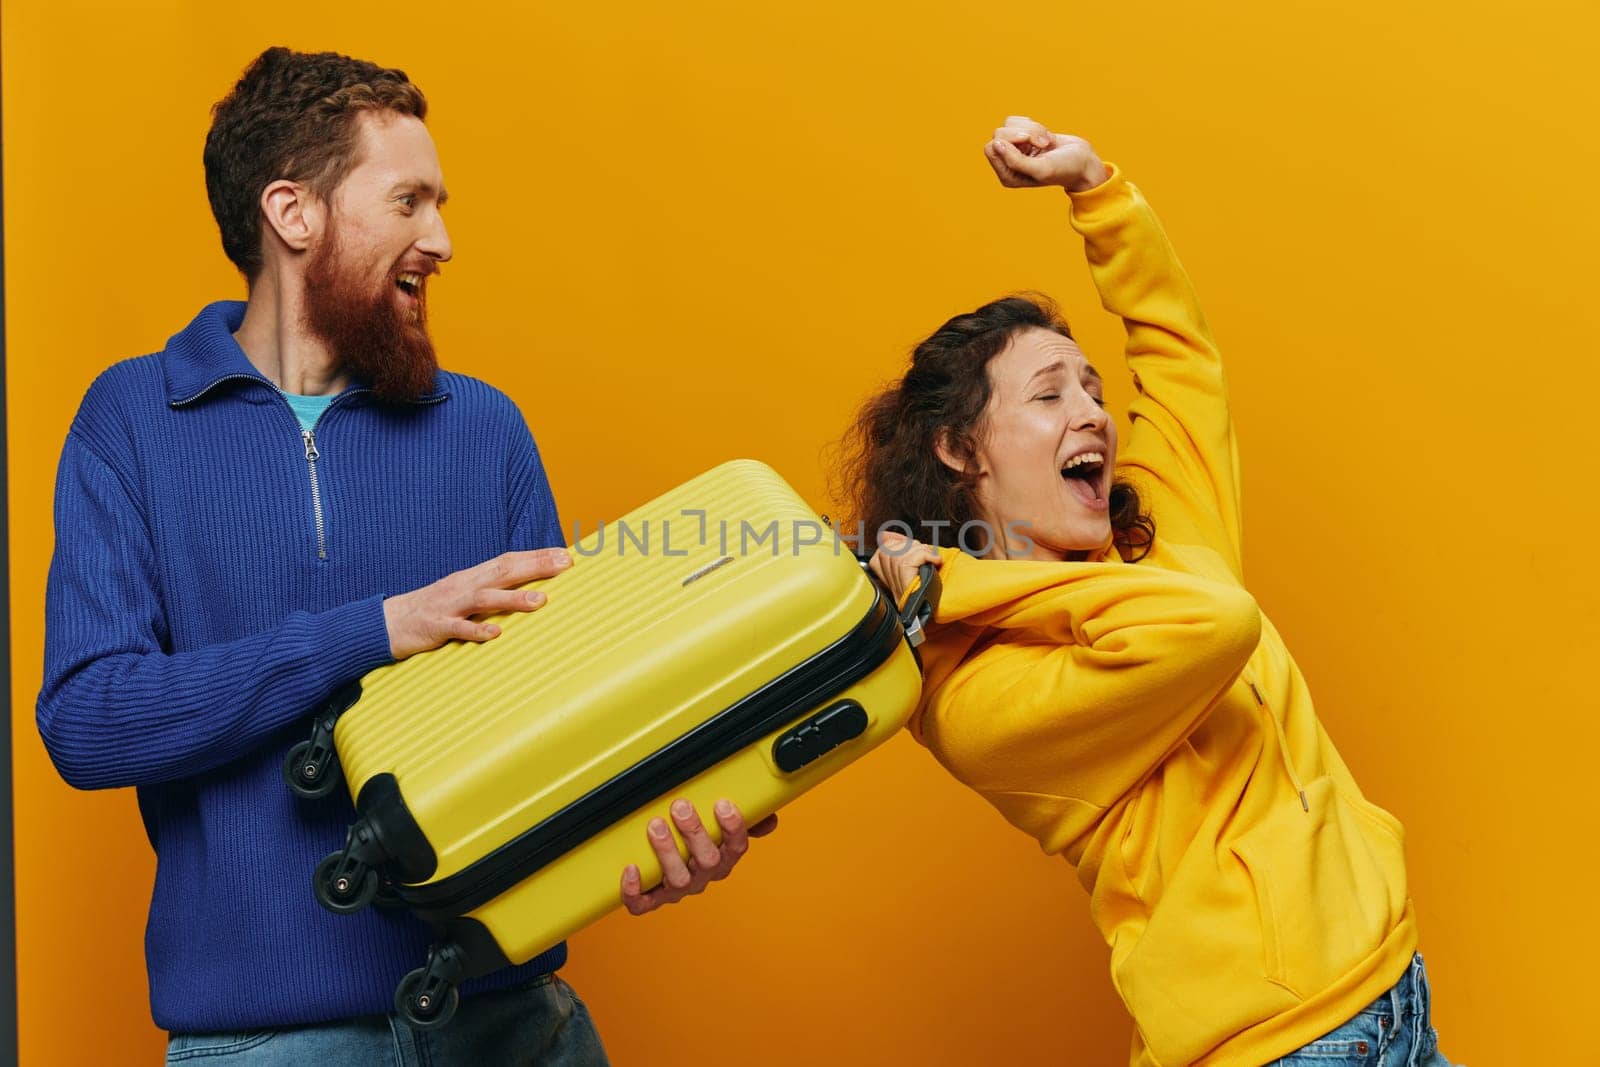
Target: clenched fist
1026,155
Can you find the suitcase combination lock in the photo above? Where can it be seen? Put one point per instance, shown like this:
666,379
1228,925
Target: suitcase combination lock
819,735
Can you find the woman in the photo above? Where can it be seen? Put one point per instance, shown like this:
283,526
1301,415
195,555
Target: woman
1098,672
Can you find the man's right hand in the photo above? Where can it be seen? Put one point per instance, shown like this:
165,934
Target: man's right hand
428,617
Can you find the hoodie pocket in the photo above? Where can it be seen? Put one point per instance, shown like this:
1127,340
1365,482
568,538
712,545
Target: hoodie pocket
1329,884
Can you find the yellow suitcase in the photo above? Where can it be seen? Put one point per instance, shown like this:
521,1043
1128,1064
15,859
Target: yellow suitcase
719,641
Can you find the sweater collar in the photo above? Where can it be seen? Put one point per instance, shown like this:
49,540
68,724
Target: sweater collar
204,355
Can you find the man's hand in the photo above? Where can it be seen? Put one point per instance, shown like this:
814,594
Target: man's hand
1026,155
428,617
706,864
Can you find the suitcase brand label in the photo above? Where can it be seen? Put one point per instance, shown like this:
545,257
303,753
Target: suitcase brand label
707,569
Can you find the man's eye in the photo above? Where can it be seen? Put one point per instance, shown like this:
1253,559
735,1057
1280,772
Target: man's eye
409,200
1098,399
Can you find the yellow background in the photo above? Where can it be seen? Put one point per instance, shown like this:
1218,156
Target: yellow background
688,232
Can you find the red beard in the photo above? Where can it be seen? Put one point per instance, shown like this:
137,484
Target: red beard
370,334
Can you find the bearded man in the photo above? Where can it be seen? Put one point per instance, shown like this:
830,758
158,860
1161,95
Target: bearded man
291,494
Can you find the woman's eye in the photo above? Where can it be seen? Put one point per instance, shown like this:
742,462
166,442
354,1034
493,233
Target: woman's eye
1098,400
1049,396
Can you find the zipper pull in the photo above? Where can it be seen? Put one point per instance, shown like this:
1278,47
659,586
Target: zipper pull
311,445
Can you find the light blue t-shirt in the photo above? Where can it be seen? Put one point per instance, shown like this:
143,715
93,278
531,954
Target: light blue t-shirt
307,408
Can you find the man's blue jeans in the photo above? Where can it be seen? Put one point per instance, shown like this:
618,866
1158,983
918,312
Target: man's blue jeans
538,1022
1393,1031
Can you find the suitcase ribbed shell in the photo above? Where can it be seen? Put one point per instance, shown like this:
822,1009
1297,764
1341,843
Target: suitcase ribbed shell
643,638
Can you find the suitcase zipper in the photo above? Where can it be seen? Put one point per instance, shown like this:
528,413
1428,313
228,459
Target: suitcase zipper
776,704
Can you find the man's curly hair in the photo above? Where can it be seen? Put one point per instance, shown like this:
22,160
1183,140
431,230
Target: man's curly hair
291,116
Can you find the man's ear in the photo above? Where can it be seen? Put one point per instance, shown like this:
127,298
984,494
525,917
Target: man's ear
293,213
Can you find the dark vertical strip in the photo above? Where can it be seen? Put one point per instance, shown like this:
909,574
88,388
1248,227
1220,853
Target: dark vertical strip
8,898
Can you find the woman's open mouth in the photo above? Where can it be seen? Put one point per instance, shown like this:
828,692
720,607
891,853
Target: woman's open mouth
1085,476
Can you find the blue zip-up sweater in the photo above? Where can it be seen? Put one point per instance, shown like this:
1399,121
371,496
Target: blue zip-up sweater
212,584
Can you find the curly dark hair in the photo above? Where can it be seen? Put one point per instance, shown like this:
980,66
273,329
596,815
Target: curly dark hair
292,116
890,469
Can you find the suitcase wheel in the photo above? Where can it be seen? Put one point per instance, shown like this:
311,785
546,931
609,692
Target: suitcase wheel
311,770
343,885
424,1002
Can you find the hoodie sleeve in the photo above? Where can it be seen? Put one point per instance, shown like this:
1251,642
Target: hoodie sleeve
1180,443
1086,677
115,707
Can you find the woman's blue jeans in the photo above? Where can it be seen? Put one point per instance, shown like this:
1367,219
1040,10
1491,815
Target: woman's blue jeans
1392,1031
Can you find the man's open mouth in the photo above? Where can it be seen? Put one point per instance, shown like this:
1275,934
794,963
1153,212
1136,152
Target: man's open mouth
410,284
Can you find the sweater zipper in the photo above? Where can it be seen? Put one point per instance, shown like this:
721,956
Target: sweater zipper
1283,744
181,401
307,437
310,439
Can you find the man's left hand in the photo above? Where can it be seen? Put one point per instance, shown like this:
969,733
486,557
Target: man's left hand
707,861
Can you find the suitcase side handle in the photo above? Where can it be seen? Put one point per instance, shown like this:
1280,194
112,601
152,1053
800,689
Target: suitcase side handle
920,605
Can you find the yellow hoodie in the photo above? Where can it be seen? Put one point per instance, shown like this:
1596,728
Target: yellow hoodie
1146,722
